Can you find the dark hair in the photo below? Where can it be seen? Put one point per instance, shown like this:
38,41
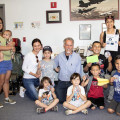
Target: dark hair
9,32
2,24
109,17
95,64
44,79
36,40
74,76
96,42
117,57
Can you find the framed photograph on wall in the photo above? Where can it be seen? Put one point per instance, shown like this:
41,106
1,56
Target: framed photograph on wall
85,32
54,16
93,9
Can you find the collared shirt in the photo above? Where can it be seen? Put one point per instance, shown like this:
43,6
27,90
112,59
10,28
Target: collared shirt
68,67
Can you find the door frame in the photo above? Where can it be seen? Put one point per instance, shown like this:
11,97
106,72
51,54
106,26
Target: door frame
3,7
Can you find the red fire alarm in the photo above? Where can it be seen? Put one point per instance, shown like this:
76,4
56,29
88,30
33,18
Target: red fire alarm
24,39
53,4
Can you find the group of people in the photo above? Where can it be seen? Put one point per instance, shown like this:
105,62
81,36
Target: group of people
74,91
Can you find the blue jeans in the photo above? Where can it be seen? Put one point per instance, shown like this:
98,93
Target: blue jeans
61,90
30,85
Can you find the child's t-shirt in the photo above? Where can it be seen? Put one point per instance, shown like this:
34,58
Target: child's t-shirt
116,84
95,90
103,62
76,95
48,98
47,69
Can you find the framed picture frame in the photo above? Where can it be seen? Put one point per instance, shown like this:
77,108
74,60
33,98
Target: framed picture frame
53,16
104,28
85,32
93,9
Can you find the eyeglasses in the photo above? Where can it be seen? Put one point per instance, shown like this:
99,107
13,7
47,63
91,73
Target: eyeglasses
37,59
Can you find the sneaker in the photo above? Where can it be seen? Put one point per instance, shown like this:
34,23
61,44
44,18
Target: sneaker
40,110
85,111
1,105
109,100
22,91
10,101
55,108
68,112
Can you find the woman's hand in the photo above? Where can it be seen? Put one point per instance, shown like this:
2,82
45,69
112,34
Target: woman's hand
110,58
37,75
12,44
103,45
119,43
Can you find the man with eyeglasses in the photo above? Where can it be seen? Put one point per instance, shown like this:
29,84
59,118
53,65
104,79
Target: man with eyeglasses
69,62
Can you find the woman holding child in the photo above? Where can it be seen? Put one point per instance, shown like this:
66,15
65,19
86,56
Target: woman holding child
30,78
110,33
5,66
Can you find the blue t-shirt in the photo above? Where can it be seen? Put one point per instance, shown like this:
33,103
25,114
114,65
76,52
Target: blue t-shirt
116,85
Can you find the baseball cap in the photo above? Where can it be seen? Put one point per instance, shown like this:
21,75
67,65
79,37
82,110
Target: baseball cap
47,48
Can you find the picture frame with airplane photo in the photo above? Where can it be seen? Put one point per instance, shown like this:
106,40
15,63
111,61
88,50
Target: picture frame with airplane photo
93,9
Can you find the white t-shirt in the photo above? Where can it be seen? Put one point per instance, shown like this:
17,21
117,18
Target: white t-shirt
49,94
76,96
30,64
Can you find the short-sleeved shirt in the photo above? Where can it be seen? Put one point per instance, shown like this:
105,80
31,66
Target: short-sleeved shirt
48,98
47,69
103,62
6,54
95,91
116,84
76,95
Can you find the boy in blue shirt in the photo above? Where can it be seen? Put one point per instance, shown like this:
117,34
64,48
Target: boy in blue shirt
114,106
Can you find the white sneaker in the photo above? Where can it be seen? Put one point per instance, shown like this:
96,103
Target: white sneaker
1,106
68,112
85,111
10,101
22,91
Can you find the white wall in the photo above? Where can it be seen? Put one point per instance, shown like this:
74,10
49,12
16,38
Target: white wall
50,34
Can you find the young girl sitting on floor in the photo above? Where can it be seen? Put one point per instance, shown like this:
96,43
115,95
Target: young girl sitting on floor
76,100
47,98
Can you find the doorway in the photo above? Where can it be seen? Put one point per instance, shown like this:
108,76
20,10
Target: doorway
2,13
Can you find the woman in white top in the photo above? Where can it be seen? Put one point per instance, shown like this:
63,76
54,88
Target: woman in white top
30,78
111,31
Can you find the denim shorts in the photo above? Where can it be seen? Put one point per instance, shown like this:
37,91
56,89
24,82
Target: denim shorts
5,66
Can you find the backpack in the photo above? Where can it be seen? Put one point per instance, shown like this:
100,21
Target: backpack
17,64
